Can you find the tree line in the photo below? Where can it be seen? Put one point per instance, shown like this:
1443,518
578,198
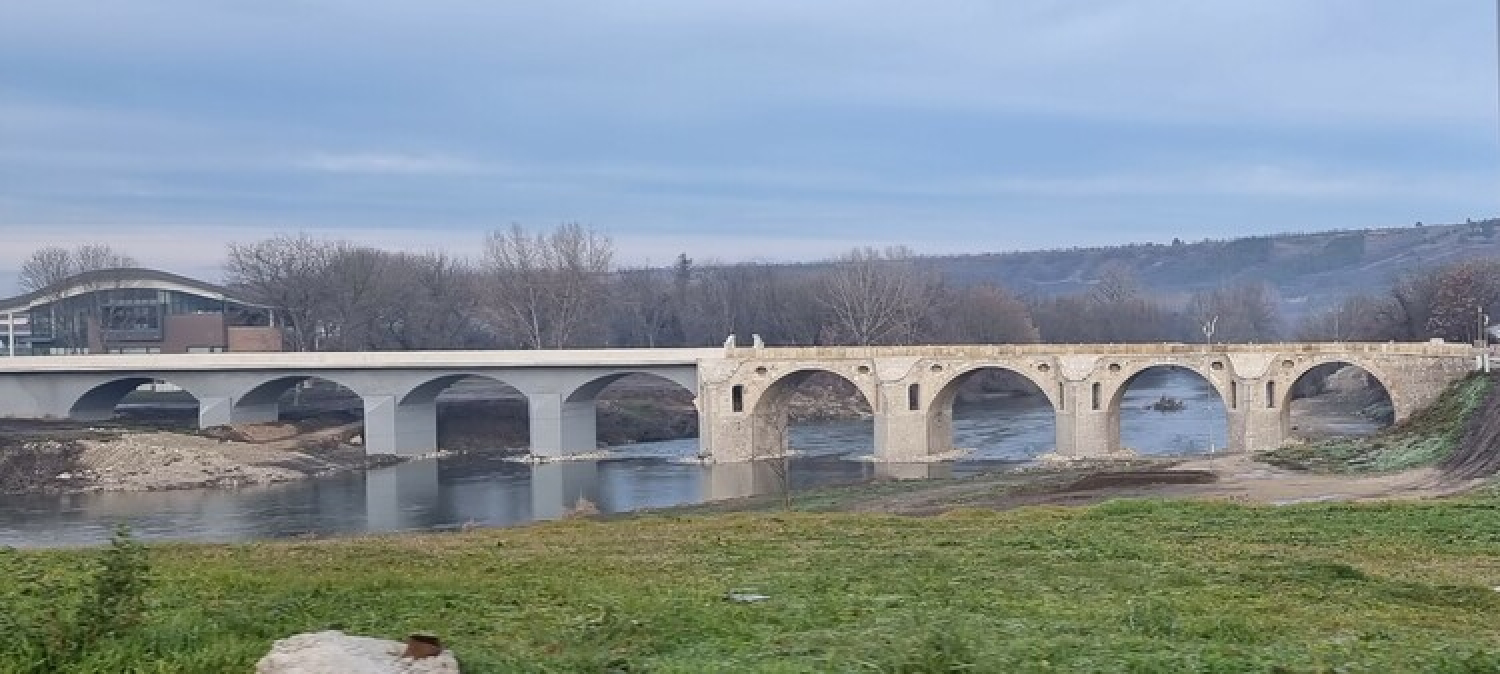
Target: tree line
560,288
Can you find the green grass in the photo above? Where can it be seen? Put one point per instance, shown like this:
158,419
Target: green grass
1426,438
1128,586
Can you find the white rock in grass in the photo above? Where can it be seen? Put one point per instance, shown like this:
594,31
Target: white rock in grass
334,652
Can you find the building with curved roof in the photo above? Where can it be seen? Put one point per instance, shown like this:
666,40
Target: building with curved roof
133,310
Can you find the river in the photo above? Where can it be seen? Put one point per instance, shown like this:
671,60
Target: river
468,491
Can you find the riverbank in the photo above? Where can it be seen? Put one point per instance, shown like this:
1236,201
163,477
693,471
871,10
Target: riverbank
1125,586
71,457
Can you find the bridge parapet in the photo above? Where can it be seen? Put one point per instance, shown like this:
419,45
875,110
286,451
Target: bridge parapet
1445,349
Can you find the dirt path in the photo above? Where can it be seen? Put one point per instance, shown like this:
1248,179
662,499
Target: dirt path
1237,478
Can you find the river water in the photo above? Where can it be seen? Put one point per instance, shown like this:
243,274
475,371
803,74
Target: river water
474,491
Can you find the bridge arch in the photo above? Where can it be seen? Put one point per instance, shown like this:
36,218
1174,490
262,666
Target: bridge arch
770,412
581,411
1291,373
427,392
1217,380
422,421
99,402
940,405
262,402
590,390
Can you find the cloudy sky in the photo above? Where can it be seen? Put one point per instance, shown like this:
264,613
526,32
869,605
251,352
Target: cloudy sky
781,130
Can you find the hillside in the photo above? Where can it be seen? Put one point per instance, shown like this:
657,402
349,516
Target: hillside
1310,271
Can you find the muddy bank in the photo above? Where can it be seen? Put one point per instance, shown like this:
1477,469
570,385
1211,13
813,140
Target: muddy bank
68,457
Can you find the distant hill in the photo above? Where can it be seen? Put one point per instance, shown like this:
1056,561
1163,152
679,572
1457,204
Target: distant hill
1310,271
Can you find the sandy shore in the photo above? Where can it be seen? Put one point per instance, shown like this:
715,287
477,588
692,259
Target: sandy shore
92,459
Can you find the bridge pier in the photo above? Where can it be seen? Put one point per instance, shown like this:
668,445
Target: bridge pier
1083,423
560,427
1258,418
404,429
225,410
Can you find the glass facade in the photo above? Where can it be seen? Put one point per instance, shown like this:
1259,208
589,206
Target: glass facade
133,320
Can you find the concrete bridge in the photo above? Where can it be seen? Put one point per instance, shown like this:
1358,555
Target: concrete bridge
741,393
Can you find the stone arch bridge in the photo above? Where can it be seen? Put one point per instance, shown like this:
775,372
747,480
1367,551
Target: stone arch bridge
741,393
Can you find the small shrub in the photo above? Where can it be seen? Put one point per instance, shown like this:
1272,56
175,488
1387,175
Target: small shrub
54,617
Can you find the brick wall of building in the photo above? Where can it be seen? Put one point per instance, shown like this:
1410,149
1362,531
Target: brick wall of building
254,338
192,332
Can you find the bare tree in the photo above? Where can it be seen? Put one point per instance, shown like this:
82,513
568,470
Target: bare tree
60,273
547,289
1244,313
1461,292
46,268
647,313
430,301
52,265
288,273
877,297
1358,318
1117,284
99,257
985,314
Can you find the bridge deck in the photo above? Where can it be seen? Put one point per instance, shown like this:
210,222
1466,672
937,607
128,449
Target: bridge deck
663,357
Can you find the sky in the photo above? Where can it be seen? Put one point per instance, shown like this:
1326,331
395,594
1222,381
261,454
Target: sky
768,130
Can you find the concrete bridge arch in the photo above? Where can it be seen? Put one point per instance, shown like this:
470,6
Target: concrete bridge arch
98,403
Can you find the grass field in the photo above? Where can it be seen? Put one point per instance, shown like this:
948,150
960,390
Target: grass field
1129,586
1428,436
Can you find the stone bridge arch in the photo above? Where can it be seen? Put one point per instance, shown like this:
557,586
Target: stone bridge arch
766,402
944,381
1290,370
1112,377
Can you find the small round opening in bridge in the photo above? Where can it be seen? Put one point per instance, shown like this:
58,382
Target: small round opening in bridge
1114,367
1334,399
816,415
1217,365
143,400
863,369
1043,367
1168,410
761,370
936,367
991,413
1287,363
